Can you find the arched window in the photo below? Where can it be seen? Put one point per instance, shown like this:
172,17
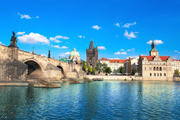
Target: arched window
154,68
157,68
160,74
160,68
154,74
157,74
164,74
150,74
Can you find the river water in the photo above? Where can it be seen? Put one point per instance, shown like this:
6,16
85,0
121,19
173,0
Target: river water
93,100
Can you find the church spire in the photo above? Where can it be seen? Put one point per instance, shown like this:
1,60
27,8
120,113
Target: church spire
153,45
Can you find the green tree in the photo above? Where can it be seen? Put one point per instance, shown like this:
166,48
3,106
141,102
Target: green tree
121,70
104,66
89,69
84,67
99,67
107,70
176,72
93,71
134,71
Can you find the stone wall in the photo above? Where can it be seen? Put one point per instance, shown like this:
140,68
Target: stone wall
12,70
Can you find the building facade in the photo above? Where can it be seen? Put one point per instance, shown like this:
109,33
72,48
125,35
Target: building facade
131,63
155,67
114,64
176,65
92,55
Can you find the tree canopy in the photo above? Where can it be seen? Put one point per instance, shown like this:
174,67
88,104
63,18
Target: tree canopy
134,71
89,69
121,70
176,72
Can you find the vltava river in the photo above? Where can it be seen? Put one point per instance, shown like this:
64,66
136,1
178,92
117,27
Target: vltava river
93,100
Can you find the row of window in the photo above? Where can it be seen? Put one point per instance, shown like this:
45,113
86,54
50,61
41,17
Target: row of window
155,68
157,74
158,63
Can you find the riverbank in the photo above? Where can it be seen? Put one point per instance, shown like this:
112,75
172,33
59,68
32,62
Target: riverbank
114,78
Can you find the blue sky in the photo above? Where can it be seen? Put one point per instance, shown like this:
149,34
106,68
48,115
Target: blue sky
121,28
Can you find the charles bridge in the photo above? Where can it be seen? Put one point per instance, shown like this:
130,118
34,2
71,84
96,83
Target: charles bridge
19,65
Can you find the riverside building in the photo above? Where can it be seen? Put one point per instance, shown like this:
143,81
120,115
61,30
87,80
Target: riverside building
155,67
114,64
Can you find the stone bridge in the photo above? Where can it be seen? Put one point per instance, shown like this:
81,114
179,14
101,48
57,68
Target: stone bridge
18,65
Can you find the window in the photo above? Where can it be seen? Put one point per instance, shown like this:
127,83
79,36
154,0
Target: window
157,74
164,68
150,68
160,68
160,74
150,74
145,68
164,74
154,74
157,68
154,68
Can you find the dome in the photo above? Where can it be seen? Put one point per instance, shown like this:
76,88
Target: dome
74,53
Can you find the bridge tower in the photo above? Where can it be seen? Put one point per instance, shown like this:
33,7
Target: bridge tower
13,49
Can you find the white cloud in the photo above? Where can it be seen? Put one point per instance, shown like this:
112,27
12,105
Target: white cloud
127,25
175,51
20,33
121,50
130,35
57,46
0,42
56,38
33,38
96,27
131,49
64,54
64,47
101,47
157,42
117,24
37,16
24,16
120,53
80,36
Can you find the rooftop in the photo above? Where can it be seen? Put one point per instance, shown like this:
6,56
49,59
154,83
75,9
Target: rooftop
150,58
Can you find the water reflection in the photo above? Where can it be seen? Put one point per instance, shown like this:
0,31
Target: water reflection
93,100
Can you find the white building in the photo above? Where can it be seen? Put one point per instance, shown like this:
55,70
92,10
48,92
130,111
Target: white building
176,65
114,64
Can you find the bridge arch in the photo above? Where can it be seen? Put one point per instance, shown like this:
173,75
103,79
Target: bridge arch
62,70
35,69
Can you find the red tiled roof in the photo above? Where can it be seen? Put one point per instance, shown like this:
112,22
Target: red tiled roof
117,60
150,58
103,59
175,60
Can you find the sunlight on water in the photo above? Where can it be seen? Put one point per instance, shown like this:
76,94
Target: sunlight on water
93,100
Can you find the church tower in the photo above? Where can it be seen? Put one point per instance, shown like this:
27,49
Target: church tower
92,55
153,51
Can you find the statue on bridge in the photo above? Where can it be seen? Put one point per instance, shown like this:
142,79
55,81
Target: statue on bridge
13,40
